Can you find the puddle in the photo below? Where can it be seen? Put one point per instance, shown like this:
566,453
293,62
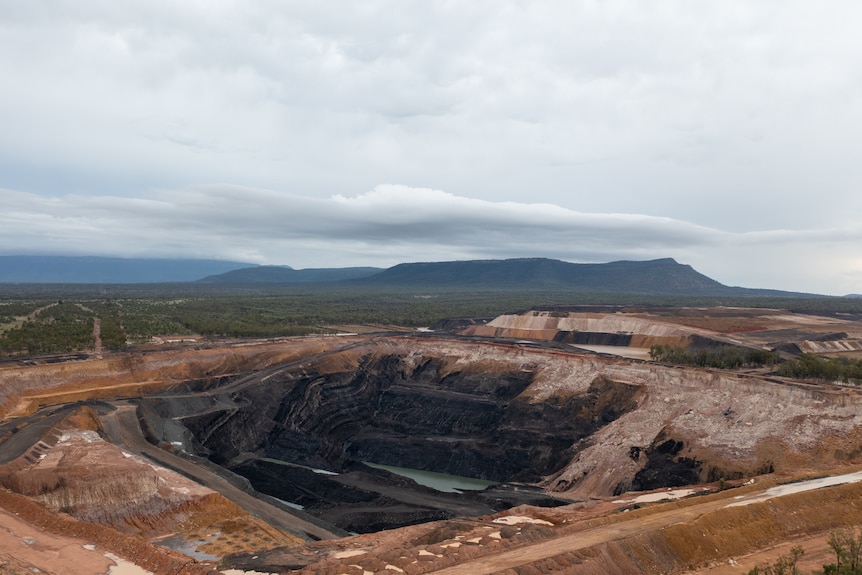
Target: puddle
189,548
440,481
123,567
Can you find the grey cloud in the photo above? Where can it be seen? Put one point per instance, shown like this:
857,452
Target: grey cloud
388,212
725,119
387,225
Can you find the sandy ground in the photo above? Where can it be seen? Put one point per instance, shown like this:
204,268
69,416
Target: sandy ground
25,548
817,553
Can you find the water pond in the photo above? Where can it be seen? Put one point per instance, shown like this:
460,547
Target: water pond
439,481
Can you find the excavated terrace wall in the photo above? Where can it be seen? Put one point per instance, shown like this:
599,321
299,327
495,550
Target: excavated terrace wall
589,424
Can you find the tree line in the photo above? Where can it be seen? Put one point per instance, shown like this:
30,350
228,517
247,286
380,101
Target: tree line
811,366
845,544
720,357
807,366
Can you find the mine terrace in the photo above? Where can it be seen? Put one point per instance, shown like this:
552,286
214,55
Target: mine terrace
602,451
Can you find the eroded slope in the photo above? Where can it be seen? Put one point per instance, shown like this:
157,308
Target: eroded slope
579,424
389,403
547,423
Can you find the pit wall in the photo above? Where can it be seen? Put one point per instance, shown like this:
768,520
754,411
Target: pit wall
732,423
735,425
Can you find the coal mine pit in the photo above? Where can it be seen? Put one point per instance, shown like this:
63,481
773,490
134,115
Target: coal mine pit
306,434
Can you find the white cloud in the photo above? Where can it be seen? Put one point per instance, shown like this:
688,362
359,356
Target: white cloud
710,121
392,224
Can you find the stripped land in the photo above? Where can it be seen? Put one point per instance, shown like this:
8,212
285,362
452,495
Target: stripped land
190,442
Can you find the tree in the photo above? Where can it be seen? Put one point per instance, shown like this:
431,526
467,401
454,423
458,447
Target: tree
847,546
785,565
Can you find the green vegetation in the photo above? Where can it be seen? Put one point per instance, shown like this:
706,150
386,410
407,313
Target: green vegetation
811,366
786,564
136,313
846,544
722,357
142,319
12,312
808,366
59,328
113,330
17,309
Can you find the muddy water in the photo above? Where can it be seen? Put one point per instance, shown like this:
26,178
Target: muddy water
439,481
186,547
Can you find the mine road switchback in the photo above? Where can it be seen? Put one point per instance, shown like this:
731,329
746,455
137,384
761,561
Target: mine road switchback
122,428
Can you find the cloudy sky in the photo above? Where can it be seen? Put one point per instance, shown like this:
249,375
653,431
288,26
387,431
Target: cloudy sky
726,135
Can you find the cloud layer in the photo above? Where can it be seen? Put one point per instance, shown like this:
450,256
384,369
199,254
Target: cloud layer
629,129
392,224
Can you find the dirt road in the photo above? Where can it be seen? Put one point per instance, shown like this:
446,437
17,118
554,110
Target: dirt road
637,525
580,540
19,438
122,428
97,336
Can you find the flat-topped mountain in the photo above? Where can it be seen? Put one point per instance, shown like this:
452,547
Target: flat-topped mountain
655,276
661,276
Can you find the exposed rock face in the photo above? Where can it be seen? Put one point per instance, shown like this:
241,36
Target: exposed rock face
580,424
78,478
643,328
412,412
585,328
94,481
400,407
577,424
664,467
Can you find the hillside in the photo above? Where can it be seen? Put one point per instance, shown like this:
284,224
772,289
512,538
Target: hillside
654,277
662,276
284,274
659,276
87,269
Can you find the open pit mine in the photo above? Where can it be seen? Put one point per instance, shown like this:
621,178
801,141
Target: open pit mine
545,442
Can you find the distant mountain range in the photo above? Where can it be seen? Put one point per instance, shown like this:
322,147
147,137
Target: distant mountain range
655,276
286,274
87,269
662,276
